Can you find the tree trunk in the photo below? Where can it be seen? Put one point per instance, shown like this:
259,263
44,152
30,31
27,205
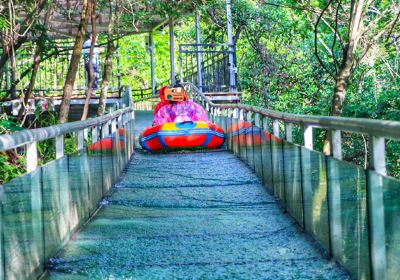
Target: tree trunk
89,90
107,64
13,73
7,50
106,78
35,67
339,93
21,76
74,63
28,93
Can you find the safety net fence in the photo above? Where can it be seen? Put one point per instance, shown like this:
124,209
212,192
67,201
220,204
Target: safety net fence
352,212
191,215
43,208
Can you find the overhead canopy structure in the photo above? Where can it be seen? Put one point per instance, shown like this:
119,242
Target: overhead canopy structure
60,20
132,16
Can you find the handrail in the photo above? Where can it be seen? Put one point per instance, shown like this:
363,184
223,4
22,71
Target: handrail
141,90
20,138
146,98
205,45
379,128
60,196
105,125
347,208
146,103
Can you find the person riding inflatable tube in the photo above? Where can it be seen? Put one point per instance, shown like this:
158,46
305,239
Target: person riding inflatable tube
180,123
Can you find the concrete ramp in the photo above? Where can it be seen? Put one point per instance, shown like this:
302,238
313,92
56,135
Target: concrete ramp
196,215
191,216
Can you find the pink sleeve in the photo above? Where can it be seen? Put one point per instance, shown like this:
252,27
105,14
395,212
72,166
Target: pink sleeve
201,114
183,111
162,116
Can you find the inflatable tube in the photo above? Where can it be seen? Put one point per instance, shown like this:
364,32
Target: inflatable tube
182,135
107,143
245,131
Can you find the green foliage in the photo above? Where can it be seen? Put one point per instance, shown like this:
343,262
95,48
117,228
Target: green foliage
70,143
13,162
277,65
135,60
143,12
8,124
11,166
4,24
279,70
393,158
135,57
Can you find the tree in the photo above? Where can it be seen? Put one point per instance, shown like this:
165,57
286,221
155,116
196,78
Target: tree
15,32
89,90
37,58
107,62
345,33
74,63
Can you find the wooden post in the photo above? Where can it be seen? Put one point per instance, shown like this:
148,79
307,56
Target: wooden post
241,114
199,56
289,132
95,134
172,50
59,146
152,64
334,188
257,120
235,114
265,124
31,157
275,126
336,144
113,125
378,158
119,121
248,117
81,140
376,208
105,130
308,137
231,49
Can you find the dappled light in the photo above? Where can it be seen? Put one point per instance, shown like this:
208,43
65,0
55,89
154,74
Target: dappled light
199,139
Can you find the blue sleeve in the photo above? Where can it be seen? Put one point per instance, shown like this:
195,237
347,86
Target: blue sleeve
86,47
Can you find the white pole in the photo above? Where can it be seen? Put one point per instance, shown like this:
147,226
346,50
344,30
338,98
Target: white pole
231,49
180,64
59,146
308,137
31,157
172,50
199,57
153,75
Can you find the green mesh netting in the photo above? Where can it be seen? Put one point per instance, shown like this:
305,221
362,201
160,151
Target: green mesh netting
191,215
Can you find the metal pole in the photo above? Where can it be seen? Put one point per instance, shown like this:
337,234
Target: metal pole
181,65
231,49
118,68
172,50
59,146
199,58
31,157
153,75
